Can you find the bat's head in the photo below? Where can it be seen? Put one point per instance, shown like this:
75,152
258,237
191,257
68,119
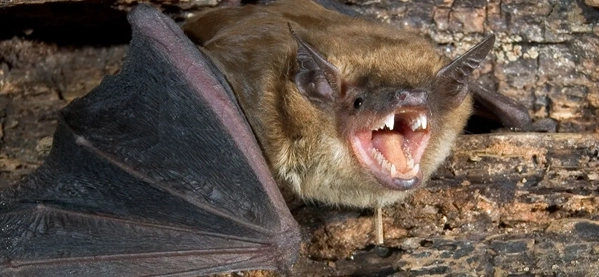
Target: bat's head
399,123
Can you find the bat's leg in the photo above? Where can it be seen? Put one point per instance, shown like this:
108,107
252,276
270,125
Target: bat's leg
378,226
379,248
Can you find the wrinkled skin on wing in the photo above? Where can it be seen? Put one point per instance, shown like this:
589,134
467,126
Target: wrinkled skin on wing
155,172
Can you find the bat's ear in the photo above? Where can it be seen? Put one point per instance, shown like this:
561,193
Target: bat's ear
453,78
316,78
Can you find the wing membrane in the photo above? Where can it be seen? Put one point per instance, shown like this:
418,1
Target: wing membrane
154,172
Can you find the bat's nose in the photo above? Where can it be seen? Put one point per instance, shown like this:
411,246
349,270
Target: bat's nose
411,97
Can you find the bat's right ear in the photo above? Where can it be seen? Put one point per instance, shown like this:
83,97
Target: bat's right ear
316,78
453,78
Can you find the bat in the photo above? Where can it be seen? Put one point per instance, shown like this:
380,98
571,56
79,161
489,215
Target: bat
158,170
154,172
347,111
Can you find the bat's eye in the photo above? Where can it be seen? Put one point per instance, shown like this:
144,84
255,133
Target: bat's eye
358,102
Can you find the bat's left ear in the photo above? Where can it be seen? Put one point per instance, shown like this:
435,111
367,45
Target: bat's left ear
453,78
316,78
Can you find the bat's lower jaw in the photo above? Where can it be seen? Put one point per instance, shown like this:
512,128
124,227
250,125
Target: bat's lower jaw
398,183
403,184
393,155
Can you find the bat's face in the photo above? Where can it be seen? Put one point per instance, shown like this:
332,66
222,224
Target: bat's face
388,130
396,119
398,133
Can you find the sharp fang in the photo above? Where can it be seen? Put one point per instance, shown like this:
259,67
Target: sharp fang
393,170
420,122
416,168
390,121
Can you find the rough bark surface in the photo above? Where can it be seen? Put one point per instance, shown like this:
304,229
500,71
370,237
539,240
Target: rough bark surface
504,204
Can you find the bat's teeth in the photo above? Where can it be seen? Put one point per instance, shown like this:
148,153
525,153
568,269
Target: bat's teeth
390,121
415,169
411,166
383,162
420,122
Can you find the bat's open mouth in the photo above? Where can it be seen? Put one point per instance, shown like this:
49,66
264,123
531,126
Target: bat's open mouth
393,147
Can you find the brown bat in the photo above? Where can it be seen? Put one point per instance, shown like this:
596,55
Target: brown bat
347,111
157,172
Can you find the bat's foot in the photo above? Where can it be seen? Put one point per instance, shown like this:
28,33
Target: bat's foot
379,249
382,251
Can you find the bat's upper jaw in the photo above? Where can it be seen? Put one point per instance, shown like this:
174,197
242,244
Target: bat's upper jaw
392,148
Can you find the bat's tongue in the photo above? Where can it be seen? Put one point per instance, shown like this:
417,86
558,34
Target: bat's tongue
391,145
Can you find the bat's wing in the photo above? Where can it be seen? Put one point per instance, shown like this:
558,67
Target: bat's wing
507,111
155,172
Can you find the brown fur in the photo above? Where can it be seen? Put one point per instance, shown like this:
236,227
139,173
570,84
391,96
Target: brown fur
252,45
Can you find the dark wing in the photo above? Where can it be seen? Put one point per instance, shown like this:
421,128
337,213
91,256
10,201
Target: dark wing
155,172
507,111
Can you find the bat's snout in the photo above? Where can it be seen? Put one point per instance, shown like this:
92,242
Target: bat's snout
410,98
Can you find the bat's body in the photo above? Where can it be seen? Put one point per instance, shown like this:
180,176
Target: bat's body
157,172
319,128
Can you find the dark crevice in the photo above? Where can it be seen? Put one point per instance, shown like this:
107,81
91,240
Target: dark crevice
447,227
481,125
544,43
67,24
426,243
381,273
578,214
552,209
